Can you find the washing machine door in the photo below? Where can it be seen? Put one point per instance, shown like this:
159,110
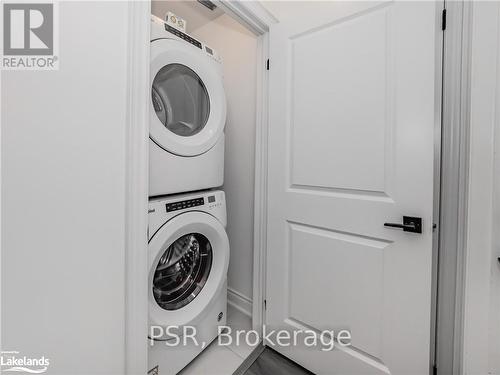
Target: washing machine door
188,103
188,260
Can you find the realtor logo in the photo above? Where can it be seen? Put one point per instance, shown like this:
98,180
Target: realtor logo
29,36
28,29
13,361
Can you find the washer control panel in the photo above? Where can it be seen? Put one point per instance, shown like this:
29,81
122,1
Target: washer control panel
163,209
213,202
182,205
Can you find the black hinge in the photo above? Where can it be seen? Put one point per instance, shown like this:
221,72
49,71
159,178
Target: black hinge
434,370
443,20
265,304
267,64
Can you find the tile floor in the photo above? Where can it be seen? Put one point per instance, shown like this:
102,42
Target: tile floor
221,359
270,362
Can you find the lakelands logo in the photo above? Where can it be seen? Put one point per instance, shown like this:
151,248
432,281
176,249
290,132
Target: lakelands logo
29,36
13,362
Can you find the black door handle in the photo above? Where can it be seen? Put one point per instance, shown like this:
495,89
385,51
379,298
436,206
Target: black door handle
410,224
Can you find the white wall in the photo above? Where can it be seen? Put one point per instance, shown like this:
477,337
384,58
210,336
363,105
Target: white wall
238,48
482,310
494,266
63,170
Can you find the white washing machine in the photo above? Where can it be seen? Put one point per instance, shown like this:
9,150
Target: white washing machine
188,113
188,261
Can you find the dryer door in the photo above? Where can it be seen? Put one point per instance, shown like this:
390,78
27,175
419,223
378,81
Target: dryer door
188,103
188,260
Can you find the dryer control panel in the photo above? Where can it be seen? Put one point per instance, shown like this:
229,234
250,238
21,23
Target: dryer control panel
160,29
183,36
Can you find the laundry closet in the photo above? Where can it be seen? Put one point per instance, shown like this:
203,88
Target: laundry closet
210,73
237,47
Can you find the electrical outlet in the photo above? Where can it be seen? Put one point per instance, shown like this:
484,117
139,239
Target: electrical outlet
176,21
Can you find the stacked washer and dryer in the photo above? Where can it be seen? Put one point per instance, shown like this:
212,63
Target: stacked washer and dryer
188,244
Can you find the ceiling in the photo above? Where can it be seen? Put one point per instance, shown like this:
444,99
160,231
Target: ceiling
195,14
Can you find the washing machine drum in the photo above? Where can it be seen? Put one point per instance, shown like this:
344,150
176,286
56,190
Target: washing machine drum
189,257
182,271
188,103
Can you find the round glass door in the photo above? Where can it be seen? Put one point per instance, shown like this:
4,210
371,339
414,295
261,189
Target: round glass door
180,100
182,271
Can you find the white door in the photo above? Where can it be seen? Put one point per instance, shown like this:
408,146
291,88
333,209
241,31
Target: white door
354,91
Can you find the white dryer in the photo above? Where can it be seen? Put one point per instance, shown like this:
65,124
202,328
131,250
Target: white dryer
188,262
187,113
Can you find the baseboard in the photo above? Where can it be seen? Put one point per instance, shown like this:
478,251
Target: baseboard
239,302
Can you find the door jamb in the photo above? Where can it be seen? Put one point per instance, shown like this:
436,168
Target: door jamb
136,189
481,266
453,198
254,16
260,195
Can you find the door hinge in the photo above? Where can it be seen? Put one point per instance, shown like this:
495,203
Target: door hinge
434,370
443,20
265,304
267,64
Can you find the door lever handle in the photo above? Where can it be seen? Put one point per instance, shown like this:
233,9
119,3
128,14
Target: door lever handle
410,224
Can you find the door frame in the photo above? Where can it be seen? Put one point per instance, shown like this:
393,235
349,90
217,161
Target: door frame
451,240
259,20
137,189
254,16
480,259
